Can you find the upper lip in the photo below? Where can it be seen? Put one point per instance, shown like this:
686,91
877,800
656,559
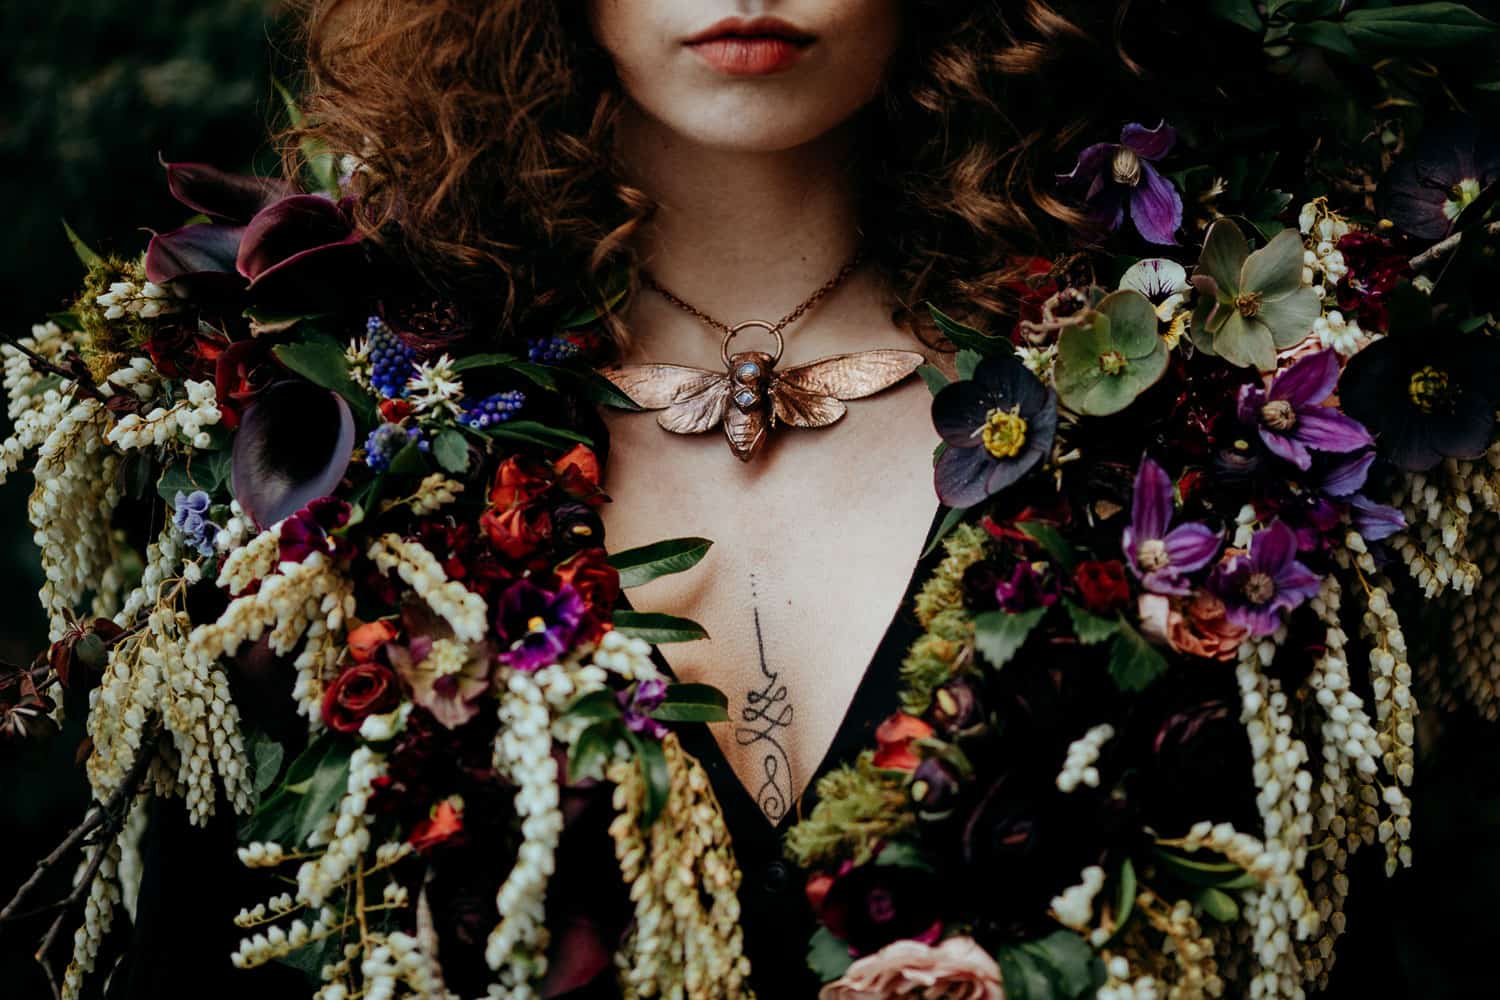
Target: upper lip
731,27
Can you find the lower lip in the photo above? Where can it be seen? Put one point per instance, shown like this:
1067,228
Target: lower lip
748,56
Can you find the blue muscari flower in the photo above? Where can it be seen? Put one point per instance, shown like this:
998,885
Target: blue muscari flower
392,362
190,517
385,441
554,350
494,409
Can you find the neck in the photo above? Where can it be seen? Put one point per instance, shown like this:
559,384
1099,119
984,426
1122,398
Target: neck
740,235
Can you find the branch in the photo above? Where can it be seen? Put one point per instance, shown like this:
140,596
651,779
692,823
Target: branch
1445,246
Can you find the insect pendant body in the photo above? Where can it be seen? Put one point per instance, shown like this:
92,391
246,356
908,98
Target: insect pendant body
750,396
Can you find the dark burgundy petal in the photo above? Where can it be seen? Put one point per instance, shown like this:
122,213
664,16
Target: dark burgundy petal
959,410
1466,431
206,248
289,229
293,447
231,197
960,476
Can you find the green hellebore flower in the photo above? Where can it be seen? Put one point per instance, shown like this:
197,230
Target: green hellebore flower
1105,363
1250,305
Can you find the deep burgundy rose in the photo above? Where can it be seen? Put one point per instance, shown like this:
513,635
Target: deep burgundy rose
362,690
871,905
517,531
1101,585
577,525
1375,266
590,573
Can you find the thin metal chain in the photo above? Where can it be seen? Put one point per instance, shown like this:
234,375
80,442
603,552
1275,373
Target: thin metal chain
828,286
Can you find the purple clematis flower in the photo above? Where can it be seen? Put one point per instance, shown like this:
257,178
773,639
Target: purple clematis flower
1372,520
637,704
1291,418
1159,557
1256,588
536,627
1121,173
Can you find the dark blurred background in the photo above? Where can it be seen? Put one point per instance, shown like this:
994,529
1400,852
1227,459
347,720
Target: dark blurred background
95,90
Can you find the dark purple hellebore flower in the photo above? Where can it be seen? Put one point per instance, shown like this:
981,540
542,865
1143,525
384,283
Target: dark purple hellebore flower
997,425
536,627
1158,557
637,704
1256,588
1121,173
1291,418
1428,189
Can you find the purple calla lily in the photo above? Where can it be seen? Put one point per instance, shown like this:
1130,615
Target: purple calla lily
294,444
1121,174
1290,415
1258,587
1160,558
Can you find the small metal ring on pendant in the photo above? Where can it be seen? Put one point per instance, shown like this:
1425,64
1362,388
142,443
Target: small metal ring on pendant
768,327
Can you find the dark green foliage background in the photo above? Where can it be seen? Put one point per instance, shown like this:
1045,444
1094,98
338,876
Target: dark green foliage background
94,90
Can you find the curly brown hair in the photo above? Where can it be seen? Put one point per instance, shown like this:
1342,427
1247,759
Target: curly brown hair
487,124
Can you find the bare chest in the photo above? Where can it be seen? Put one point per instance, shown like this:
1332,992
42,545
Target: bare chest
814,543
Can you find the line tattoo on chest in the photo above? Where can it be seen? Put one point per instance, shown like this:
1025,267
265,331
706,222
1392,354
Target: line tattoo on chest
764,718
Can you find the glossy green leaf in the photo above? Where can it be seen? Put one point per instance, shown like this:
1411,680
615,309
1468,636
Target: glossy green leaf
933,377
949,522
1125,890
594,705
647,562
1219,905
658,780
686,702
1060,966
600,390
409,461
1133,662
1237,12
267,756
1417,27
1091,629
655,627
999,635
591,751
966,336
534,433
312,787
966,361
206,471
84,252
490,360
1045,534
321,361
1327,35
451,451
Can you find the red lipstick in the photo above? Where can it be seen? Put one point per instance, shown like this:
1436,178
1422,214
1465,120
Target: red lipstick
756,47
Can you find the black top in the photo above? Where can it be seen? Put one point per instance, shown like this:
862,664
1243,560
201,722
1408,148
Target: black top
778,923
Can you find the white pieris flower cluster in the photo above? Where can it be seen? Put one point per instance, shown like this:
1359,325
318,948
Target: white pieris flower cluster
1439,506
461,608
434,492
516,948
1074,908
349,837
1120,985
98,916
162,425
139,377
434,387
145,300
628,656
1341,334
33,409
396,961
1078,768
1323,264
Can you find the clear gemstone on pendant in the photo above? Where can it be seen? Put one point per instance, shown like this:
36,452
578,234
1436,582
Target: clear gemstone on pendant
747,369
744,398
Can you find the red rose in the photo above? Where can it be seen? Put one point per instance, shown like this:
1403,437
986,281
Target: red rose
895,737
363,690
519,480
517,531
1102,585
590,573
394,410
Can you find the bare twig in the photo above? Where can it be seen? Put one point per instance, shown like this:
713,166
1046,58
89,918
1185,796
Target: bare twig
1445,246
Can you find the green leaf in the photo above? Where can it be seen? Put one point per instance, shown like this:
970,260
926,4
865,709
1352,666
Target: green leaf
321,162
692,703
1133,662
409,461
321,361
1238,12
966,336
1060,966
589,753
1219,905
1091,629
1324,35
206,471
473,361
999,635
68,321
532,432
653,763
266,754
827,956
655,627
966,362
85,253
595,705
647,562
933,376
1125,888
1416,27
1215,874
451,451
950,521
600,390
1045,534
902,854
312,787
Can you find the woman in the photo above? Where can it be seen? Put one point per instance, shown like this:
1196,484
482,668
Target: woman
740,153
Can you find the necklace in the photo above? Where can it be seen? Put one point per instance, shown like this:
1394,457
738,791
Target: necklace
750,396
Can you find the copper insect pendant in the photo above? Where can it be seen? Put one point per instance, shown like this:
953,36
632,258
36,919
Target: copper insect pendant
751,396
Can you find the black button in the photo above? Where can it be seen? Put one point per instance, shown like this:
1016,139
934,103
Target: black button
776,877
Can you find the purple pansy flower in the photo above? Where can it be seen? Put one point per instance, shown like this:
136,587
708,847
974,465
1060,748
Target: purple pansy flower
1121,173
536,626
1027,589
1160,556
638,703
1157,556
1291,418
312,528
1256,588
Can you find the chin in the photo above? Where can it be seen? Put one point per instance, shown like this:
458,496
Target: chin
758,126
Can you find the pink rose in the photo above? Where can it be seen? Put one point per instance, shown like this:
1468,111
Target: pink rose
957,969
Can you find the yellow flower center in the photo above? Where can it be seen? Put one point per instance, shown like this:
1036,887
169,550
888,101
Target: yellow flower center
1279,415
1248,304
1460,197
1112,363
1126,167
1004,432
1429,389
536,623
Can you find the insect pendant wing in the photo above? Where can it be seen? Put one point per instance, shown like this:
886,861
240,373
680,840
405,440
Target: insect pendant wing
809,395
691,400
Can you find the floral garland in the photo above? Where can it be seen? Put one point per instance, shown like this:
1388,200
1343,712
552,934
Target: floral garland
1170,665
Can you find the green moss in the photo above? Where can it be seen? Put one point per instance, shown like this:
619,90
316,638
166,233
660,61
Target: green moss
858,807
934,658
966,545
106,343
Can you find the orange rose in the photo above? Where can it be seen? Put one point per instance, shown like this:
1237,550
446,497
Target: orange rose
596,581
1199,628
517,531
445,823
366,640
517,481
582,459
895,737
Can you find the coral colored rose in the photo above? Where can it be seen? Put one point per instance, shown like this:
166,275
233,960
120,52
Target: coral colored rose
957,969
444,825
579,460
816,890
1200,628
895,736
362,690
517,531
590,573
1101,584
366,640
519,480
